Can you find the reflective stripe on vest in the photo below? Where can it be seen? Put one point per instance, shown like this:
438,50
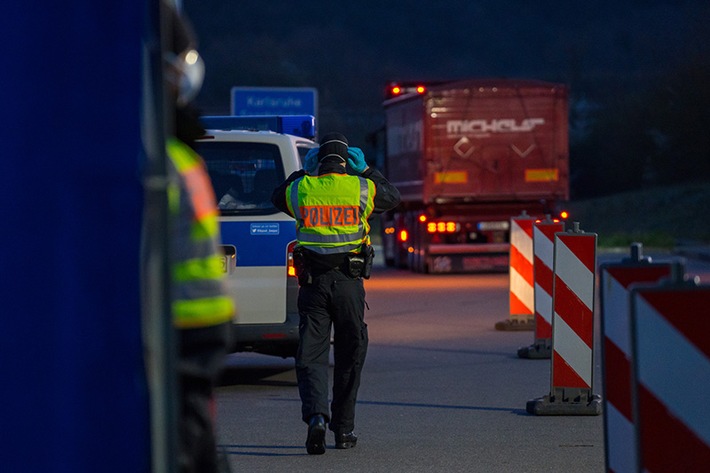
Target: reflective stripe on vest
196,313
191,168
331,211
199,296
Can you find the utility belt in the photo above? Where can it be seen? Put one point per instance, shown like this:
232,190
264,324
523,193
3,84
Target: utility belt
355,265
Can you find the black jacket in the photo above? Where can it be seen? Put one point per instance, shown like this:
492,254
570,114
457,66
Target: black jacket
386,195
386,198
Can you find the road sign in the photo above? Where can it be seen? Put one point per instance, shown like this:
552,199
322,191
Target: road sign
543,263
572,328
616,281
670,406
522,295
274,101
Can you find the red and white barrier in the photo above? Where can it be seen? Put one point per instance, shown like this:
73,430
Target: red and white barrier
572,328
522,294
671,352
615,282
543,256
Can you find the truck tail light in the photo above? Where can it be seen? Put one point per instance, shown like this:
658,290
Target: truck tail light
395,90
290,268
443,227
563,215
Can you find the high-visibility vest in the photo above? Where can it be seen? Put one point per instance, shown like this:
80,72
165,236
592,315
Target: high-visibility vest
199,295
331,211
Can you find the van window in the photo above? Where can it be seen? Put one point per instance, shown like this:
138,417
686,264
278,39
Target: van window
243,175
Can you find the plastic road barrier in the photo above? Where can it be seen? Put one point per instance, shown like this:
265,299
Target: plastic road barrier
572,328
615,281
522,294
543,256
671,352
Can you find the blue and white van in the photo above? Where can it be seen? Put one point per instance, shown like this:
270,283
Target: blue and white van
247,157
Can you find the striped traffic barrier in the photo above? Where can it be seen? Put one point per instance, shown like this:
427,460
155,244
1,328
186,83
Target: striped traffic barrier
671,352
521,294
615,280
543,255
574,272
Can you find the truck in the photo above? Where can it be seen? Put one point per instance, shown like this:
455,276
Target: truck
467,156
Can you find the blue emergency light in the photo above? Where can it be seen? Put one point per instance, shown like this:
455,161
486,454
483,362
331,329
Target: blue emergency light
298,125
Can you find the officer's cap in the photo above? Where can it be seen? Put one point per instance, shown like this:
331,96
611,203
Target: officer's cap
333,145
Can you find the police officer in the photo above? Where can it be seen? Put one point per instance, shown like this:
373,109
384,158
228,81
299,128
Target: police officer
332,256
201,308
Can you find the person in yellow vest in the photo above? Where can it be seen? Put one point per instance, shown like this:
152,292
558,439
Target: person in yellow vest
202,310
332,256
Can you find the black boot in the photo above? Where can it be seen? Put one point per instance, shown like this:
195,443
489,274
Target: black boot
343,441
315,442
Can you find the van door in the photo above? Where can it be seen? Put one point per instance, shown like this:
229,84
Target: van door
244,174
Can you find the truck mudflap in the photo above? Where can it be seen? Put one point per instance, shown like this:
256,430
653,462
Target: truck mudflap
468,258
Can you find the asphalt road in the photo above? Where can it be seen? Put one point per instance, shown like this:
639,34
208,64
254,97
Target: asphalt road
442,391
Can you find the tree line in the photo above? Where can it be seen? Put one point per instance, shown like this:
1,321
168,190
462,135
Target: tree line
657,135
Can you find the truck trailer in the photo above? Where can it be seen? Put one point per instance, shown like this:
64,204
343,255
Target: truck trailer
467,156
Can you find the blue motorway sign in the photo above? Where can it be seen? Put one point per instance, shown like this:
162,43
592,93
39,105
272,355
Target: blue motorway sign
274,101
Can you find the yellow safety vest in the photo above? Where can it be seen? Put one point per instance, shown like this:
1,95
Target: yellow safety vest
199,297
331,211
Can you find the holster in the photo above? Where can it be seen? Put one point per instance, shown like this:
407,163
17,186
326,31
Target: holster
369,259
355,265
300,263
359,265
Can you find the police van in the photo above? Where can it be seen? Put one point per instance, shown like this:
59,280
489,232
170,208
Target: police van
247,157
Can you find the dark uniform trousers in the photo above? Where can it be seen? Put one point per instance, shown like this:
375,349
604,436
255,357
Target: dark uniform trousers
332,297
202,352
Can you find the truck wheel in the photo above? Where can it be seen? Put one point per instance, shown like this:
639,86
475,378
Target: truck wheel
400,260
412,262
422,264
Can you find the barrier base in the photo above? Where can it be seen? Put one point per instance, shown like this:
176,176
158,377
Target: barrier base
535,352
549,406
516,325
